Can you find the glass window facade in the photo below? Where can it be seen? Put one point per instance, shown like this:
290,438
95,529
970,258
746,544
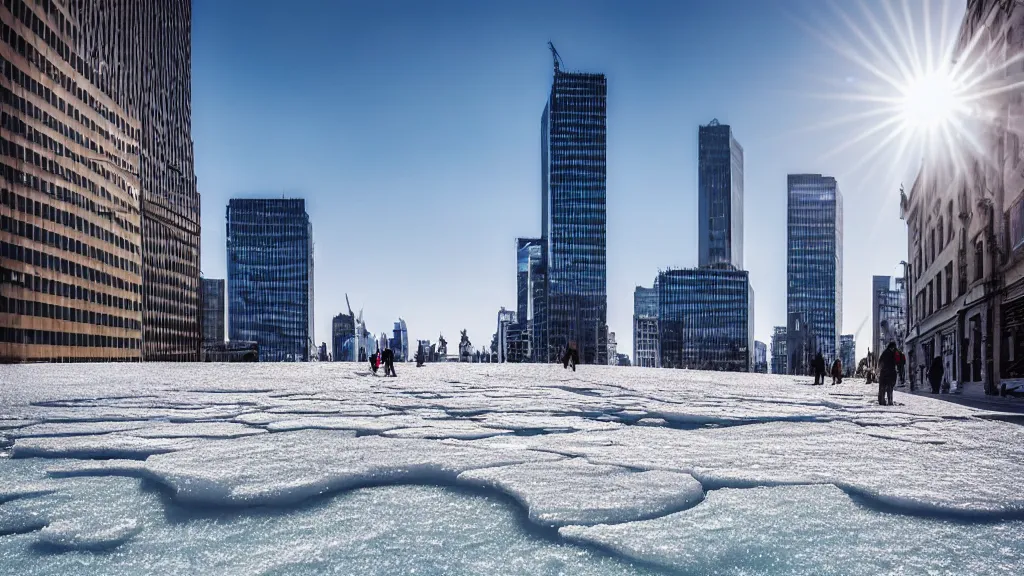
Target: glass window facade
530,296
646,351
573,183
344,346
706,319
848,354
213,311
760,357
779,356
815,257
720,197
270,277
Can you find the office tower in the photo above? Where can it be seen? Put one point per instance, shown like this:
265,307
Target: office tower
719,197
815,258
801,344
706,319
270,277
530,295
400,343
848,354
646,352
344,344
573,185
213,310
505,336
760,357
613,350
780,361
139,54
71,232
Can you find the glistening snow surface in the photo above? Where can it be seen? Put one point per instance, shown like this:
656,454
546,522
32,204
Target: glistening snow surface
494,469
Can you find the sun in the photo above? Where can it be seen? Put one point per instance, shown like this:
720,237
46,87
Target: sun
931,102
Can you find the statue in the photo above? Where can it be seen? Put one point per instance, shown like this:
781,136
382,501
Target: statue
442,346
465,347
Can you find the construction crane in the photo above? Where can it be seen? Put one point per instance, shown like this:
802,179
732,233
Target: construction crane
555,56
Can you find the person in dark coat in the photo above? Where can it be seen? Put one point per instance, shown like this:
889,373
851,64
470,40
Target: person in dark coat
935,374
420,358
886,374
571,356
818,364
837,372
374,363
901,367
389,362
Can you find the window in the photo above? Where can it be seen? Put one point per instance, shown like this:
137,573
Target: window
949,283
979,261
938,291
941,229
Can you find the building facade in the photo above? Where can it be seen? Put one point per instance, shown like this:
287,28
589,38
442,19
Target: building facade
344,344
530,296
646,350
719,197
573,228
780,359
801,344
760,357
848,354
400,342
506,320
814,266
880,286
72,231
270,277
705,319
213,310
613,350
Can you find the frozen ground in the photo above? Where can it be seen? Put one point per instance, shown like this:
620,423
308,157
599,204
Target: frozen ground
484,469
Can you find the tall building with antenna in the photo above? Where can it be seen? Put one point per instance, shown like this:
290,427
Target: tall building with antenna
574,219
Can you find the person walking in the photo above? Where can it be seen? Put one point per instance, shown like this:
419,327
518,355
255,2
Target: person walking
818,365
901,367
886,374
374,363
571,356
935,374
389,362
837,372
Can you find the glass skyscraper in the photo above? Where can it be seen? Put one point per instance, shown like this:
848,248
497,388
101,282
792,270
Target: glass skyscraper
530,295
573,175
720,197
780,360
815,258
270,277
706,319
646,352
213,310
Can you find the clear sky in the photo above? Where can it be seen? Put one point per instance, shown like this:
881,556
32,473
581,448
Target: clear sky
412,129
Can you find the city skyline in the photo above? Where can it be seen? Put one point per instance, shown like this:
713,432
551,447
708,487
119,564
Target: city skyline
461,182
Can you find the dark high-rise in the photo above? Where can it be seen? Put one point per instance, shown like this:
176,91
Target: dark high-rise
815,261
213,311
139,53
270,277
573,227
719,197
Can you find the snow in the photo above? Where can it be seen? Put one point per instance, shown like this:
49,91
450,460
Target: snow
487,469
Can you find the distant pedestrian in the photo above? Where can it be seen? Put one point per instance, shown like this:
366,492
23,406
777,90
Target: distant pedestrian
571,356
837,372
886,374
420,360
818,366
389,362
935,374
901,367
374,362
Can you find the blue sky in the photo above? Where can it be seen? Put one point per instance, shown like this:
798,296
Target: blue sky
412,129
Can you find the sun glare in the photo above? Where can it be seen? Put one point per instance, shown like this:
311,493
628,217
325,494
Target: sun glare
931,101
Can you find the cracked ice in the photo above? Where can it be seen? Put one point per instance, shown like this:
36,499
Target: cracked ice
494,469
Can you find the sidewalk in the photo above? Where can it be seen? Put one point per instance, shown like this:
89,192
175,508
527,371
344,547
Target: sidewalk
974,396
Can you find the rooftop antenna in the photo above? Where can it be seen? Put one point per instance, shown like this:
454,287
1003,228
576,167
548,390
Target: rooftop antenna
555,56
349,306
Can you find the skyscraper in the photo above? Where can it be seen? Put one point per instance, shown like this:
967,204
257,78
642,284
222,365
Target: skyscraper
113,81
780,361
213,311
344,343
400,341
719,197
815,259
646,351
139,54
848,354
530,295
705,317
879,291
760,357
573,227
270,277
